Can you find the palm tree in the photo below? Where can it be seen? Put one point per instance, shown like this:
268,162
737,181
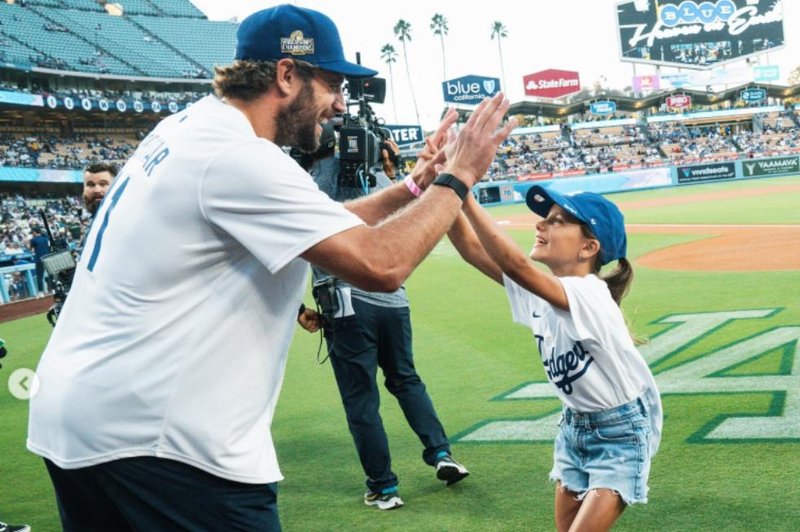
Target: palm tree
499,30
402,31
389,56
439,27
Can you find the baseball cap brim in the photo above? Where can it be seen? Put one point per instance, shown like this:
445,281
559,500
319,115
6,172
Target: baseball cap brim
541,200
348,69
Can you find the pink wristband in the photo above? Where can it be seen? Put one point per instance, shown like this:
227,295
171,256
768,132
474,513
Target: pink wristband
412,186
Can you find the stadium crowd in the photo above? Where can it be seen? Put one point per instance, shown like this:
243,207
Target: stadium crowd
609,148
50,151
19,216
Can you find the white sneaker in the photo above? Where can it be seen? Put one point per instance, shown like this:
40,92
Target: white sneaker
384,501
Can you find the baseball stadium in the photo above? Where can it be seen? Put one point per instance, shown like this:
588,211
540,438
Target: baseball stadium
705,169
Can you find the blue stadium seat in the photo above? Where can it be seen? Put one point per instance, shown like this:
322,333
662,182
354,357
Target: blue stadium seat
178,8
207,42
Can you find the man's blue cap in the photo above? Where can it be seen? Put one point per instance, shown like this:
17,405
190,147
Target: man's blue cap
288,31
604,219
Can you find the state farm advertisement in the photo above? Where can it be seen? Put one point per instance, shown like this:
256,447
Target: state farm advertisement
552,83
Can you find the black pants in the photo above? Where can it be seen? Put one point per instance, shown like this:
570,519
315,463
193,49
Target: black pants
39,276
381,337
154,494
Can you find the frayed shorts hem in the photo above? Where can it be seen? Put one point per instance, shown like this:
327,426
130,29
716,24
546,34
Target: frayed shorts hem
580,495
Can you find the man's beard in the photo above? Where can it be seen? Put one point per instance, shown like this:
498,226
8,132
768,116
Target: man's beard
92,205
297,123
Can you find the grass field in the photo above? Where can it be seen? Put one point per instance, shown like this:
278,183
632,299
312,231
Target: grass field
724,348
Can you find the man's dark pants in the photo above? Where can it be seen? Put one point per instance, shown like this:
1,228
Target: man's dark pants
375,337
154,494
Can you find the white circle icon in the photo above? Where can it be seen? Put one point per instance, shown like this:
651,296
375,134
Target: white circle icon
23,384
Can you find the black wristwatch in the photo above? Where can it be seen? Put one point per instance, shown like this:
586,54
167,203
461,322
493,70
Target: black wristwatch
449,180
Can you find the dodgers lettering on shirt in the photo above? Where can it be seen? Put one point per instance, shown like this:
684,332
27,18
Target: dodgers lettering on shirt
587,352
565,368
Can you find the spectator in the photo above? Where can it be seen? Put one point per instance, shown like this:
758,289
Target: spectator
40,247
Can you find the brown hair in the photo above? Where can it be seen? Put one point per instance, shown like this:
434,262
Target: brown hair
247,79
97,167
619,279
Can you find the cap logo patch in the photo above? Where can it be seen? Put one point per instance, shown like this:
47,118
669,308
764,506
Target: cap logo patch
593,221
297,44
538,198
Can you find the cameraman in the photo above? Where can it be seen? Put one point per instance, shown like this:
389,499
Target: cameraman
40,246
371,330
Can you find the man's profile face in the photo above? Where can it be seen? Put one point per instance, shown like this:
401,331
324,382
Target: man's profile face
297,123
95,186
319,99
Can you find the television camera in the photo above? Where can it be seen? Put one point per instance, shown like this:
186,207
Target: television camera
362,136
60,267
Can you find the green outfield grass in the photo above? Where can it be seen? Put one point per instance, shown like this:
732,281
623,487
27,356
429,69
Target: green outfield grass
708,475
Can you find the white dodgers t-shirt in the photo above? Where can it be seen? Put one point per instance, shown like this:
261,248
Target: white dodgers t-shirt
173,340
587,352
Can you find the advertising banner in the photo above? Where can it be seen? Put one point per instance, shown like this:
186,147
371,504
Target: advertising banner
678,102
405,135
698,34
552,83
21,98
765,74
470,89
646,83
706,172
603,108
753,95
775,166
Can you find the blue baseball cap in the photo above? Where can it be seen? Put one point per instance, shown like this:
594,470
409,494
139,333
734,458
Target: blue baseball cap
288,31
603,217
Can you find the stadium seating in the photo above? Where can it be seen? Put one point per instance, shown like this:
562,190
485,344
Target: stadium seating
146,41
138,7
122,37
55,45
178,8
86,5
206,42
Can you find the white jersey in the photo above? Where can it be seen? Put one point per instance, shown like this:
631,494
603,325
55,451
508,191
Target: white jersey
173,340
587,351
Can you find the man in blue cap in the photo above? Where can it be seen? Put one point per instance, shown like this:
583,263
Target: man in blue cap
160,382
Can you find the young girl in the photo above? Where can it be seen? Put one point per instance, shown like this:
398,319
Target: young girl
611,422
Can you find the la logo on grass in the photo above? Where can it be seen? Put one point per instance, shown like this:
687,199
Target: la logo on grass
717,372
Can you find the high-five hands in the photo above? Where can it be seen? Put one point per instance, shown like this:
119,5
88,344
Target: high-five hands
469,155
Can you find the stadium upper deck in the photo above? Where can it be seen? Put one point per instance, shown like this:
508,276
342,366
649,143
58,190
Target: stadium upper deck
145,38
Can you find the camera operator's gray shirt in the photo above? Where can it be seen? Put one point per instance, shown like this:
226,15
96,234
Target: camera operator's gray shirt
326,174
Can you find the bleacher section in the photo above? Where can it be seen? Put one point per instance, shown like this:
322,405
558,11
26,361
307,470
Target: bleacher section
86,5
55,45
149,39
138,7
585,150
123,37
14,52
178,8
207,42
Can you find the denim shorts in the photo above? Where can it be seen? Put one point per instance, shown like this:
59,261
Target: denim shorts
605,449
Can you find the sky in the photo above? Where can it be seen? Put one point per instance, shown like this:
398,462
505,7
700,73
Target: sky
578,35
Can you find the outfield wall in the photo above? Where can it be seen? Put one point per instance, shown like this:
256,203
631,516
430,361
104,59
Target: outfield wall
499,192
